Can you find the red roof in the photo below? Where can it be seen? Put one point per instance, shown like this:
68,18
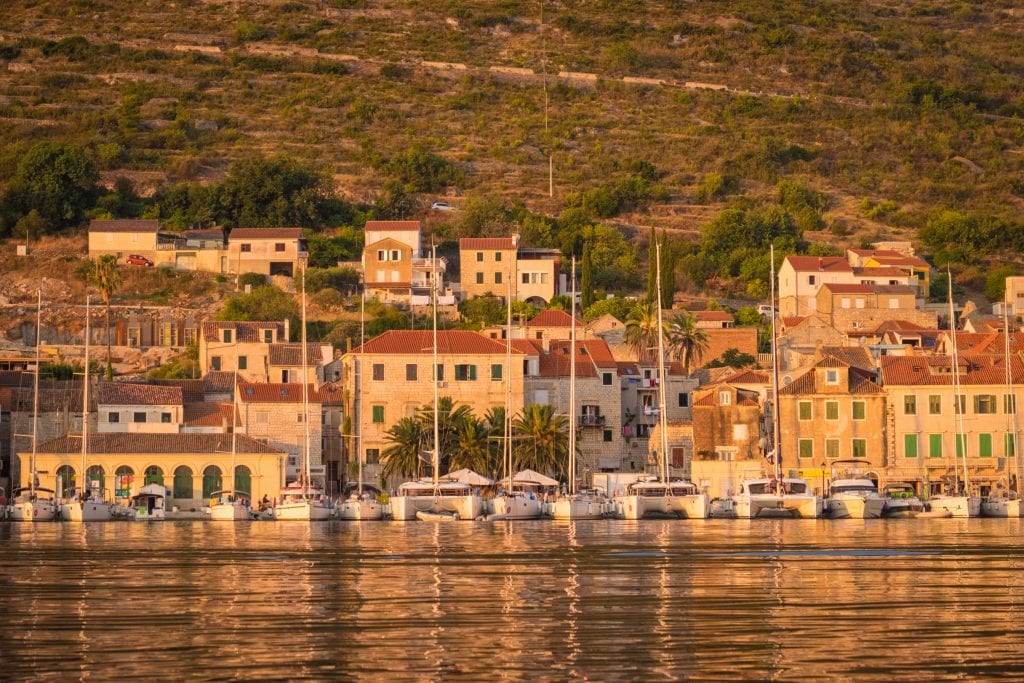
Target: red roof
208,415
275,392
125,225
133,443
938,370
291,354
885,271
552,317
590,355
191,389
265,233
392,225
125,394
422,342
713,316
818,263
498,243
245,331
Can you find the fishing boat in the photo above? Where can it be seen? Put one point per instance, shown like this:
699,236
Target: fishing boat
584,503
361,505
231,505
776,496
31,503
662,496
85,505
852,495
150,503
303,501
901,501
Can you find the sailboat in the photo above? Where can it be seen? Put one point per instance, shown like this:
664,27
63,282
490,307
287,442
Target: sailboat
776,496
662,496
433,499
29,504
957,502
515,501
1006,503
301,500
575,504
84,505
230,505
360,506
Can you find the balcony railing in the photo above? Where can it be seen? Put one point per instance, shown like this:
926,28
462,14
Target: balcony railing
588,420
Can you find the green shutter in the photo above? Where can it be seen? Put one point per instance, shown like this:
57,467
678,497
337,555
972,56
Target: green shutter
496,371
910,445
831,410
183,483
832,448
806,448
860,448
472,373
960,438
985,445
858,410
378,414
935,445
805,410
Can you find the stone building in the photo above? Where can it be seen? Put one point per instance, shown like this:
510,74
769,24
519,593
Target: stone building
274,414
221,342
149,408
486,264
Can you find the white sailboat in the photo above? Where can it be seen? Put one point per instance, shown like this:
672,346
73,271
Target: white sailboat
852,495
230,505
1006,503
360,506
432,499
85,505
584,504
30,502
662,496
958,502
776,496
303,501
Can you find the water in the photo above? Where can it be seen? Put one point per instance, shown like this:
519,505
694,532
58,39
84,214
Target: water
914,600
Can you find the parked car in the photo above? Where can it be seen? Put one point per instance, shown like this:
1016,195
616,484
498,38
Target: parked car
441,206
766,311
136,260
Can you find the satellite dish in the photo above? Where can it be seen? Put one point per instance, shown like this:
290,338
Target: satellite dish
787,380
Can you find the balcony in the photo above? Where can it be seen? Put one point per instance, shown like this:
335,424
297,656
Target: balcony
587,420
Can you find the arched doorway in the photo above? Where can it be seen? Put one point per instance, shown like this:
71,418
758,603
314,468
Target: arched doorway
243,480
211,480
154,475
66,477
183,483
95,474
123,481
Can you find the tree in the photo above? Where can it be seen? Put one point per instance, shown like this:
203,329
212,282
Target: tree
450,419
402,457
616,306
652,273
668,274
733,358
104,276
642,332
542,439
685,340
58,181
263,303
587,278
473,447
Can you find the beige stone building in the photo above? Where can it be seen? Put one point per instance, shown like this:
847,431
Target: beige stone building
267,251
139,408
274,414
729,432
398,269
801,277
124,237
857,308
221,342
487,263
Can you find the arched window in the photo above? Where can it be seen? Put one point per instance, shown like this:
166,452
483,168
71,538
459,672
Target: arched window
123,481
211,480
95,473
243,480
154,475
183,483
66,477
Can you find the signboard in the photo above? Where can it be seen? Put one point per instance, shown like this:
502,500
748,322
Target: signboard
317,470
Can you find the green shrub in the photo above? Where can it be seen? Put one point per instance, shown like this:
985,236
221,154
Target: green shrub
318,279
328,298
253,279
246,30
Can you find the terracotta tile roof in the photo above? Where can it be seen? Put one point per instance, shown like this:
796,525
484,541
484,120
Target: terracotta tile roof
831,362
492,243
970,343
291,354
591,355
391,225
899,325
332,394
793,321
127,394
130,443
806,384
209,415
706,401
857,356
54,396
748,377
552,317
275,392
124,225
265,233
713,316
219,382
838,288
897,259
388,285
818,264
191,389
937,370
421,342
747,402
529,347
884,271
245,331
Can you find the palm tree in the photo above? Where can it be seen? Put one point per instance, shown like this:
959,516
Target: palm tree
642,332
449,419
104,275
495,420
473,449
543,439
685,340
402,457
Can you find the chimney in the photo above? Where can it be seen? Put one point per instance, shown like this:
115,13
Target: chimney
348,344
287,335
326,354
515,240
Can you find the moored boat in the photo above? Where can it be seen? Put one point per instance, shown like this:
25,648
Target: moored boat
444,497
901,501
32,505
652,498
150,503
852,495
768,497
229,506
1000,507
956,504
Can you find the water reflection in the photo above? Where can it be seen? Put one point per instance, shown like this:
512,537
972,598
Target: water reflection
755,600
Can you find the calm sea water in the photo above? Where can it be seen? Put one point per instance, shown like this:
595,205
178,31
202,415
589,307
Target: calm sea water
921,600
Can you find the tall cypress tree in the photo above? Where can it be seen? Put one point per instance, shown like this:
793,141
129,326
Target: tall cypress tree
586,279
668,274
652,253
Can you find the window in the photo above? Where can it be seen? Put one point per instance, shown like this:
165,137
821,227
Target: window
606,379
985,404
243,363
607,435
479,257
440,372
805,410
479,278
684,400
1009,404
165,418
496,372
934,404
526,278
298,417
497,256
382,255
985,445
724,398
858,410
910,445
960,404
215,363
465,373
910,405
278,246
372,456
832,448
262,418
935,445
284,377
113,418
378,414
497,278
395,255
268,336
831,410
227,336
845,302
832,377
961,442
138,417
860,448
1009,445
410,372
245,248
806,448
378,372
811,279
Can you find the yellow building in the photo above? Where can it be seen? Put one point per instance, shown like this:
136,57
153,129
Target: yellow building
192,466
487,263
268,251
123,237
903,259
220,342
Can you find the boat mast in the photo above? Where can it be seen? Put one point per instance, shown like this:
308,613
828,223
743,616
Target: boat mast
961,435
234,420
776,435
85,407
305,393
572,385
359,385
506,449
1011,416
35,397
437,425
662,421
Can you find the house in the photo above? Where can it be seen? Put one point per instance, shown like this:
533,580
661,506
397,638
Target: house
275,414
221,342
486,264
396,269
800,278
267,251
640,399
60,412
607,327
148,408
856,307
899,259
124,237
284,362
730,433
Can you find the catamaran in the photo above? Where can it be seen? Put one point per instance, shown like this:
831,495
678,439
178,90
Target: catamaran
853,495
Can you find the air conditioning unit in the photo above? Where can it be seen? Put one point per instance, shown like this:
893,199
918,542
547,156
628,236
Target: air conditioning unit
442,385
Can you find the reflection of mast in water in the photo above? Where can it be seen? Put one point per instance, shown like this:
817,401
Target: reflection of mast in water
663,664
572,587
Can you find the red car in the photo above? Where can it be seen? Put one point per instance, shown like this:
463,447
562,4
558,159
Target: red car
136,260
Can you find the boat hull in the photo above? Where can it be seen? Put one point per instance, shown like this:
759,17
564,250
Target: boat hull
1000,507
770,505
87,511
579,508
361,511
517,507
301,511
903,508
33,511
854,507
404,508
143,515
683,507
229,513
957,506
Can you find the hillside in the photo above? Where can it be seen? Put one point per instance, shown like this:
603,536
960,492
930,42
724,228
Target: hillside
889,109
